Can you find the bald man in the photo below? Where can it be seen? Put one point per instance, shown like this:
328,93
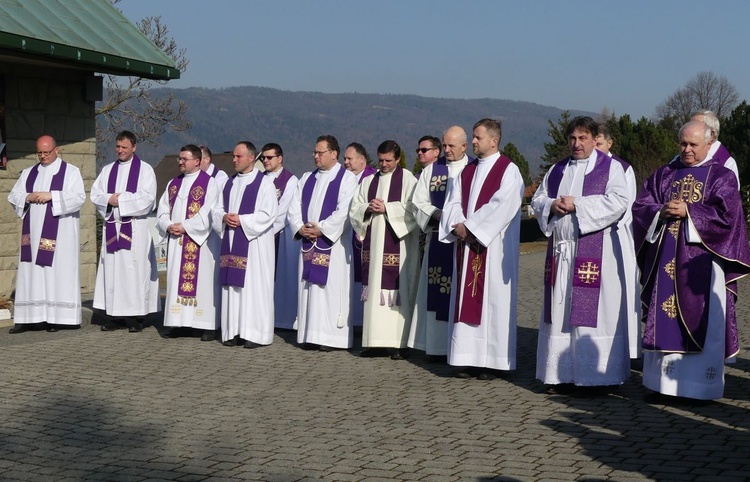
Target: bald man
48,197
429,326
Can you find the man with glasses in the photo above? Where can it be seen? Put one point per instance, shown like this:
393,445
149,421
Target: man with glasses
357,161
127,283
184,218
48,197
210,168
287,251
429,326
382,215
428,150
319,215
246,216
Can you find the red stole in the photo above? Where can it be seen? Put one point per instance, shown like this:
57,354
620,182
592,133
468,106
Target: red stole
470,295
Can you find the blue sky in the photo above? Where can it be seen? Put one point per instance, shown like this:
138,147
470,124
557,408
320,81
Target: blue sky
626,55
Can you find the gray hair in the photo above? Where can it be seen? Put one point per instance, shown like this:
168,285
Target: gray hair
711,120
706,129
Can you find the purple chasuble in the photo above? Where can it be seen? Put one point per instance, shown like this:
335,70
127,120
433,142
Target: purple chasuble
357,245
391,245
675,274
233,261
587,267
191,251
470,293
440,255
722,155
46,250
124,239
316,257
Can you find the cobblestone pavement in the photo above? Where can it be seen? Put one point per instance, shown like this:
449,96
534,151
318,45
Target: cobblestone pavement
88,405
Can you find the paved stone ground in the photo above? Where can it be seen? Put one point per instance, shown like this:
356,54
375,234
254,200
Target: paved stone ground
87,405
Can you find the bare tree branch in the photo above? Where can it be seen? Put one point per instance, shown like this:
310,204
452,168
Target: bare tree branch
704,91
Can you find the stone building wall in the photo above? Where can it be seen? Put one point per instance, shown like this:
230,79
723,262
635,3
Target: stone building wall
43,100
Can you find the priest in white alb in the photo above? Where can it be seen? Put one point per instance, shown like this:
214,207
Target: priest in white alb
482,216
48,197
382,216
286,249
583,330
429,325
319,215
127,283
246,215
184,218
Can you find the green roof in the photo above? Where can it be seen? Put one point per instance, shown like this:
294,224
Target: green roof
90,34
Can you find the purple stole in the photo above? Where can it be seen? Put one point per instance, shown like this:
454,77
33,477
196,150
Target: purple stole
315,256
216,171
357,245
439,257
391,246
124,239
279,183
588,262
722,155
46,250
470,294
233,261
191,252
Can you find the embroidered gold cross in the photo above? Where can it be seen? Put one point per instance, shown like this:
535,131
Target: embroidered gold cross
588,272
476,269
670,307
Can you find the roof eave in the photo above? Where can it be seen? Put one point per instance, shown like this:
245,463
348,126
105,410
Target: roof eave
97,61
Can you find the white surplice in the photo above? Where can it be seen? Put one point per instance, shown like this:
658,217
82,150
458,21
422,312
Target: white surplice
428,333
248,311
204,315
287,257
388,313
497,226
580,355
127,283
50,293
323,313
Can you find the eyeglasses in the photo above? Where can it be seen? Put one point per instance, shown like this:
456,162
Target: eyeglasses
263,158
184,159
320,153
424,150
45,153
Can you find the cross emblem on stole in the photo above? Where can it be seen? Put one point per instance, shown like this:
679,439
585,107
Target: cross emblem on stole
588,272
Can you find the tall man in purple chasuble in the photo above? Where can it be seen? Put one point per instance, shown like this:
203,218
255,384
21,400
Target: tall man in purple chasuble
286,250
383,217
429,325
245,216
357,161
482,217
127,283
319,217
48,197
184,219
583,331
692,248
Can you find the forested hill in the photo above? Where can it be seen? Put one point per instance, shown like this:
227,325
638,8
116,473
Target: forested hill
221,117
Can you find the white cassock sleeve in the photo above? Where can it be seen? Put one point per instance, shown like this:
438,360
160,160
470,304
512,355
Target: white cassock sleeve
358,214
400,214
284,202
333,226
452,212
600,211
266,208
423,207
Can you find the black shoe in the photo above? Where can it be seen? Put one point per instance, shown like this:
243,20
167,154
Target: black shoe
208,335
249,344
137,328
52,328
326,349
488,375
372,352
437,358
398,353
19,328
232,341
111,325
309,346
